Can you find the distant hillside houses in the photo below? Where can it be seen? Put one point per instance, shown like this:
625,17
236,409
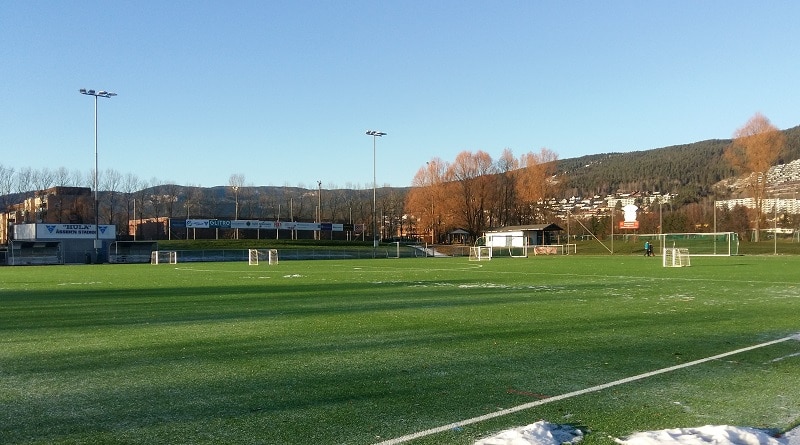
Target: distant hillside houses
780,205
781,179
602,204
789,172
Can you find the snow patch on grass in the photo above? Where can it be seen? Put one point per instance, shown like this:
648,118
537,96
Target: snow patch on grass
709,434
545,433
539,433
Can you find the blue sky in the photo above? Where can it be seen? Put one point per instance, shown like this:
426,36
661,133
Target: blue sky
283,92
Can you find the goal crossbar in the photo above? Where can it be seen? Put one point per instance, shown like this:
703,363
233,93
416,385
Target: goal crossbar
480,253
676,257
163,257
254,256
700,244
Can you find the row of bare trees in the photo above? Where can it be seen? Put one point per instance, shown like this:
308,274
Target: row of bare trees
126,197
475,192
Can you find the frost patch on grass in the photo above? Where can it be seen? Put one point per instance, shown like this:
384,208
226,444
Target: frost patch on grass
87,283
539,433
797,354
787,292
484,286
678,297
297,275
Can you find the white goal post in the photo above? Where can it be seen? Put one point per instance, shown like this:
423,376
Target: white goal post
254,256
701,244
163,257
676,257
480,253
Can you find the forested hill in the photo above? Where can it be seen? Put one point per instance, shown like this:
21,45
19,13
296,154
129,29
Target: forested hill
689,170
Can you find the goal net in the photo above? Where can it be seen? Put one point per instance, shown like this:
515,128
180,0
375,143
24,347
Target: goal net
261,255
480,253
514,246
701,244
163,257
676,257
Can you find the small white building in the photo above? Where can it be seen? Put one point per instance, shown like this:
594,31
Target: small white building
523,236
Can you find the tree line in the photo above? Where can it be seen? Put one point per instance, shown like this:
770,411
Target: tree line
126,197
472,192
475,192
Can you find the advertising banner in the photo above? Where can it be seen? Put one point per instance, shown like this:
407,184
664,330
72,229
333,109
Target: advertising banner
264,225
219,224
64,231
197,223
244,224
629,224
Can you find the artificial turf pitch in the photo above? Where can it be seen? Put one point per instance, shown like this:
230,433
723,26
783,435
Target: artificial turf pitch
361,351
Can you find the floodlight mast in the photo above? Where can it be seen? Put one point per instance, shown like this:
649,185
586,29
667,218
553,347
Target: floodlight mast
96,94
375,134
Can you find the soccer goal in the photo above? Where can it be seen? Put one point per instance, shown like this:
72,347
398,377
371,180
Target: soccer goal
480,253
676,257
259,255
163,257
701,244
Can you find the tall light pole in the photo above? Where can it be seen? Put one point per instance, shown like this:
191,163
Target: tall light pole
375,134
96,94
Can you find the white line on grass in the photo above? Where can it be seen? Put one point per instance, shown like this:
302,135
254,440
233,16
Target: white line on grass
569,395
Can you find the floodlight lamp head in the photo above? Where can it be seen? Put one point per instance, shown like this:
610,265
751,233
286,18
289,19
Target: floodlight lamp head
101,93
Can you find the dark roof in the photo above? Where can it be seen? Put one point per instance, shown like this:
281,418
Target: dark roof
528,228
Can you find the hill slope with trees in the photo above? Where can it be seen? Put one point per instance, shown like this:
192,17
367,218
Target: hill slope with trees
690,170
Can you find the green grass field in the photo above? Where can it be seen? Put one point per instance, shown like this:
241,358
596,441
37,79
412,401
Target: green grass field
361,351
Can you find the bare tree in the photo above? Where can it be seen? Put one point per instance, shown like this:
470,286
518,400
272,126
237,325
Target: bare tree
61,177
79,179
112,180
507,193
6,185
426,200
236,182
130,184
169,195
474,174
533,179
756,147
43,179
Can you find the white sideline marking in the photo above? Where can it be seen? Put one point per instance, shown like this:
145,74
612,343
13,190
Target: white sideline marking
580,392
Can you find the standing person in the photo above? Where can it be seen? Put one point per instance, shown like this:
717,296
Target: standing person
647,248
